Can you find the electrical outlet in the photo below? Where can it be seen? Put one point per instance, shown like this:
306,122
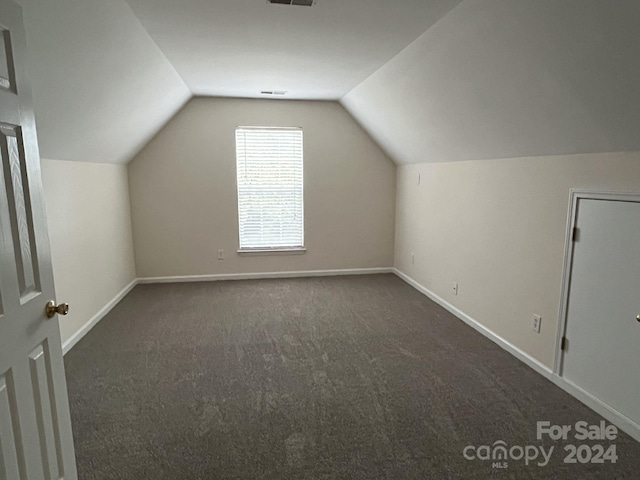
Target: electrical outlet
536,324
220,254
413,258
455,288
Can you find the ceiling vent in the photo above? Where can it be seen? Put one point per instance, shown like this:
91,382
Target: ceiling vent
302,3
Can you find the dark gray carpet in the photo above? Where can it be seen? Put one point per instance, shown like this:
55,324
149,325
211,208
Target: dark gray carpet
319,378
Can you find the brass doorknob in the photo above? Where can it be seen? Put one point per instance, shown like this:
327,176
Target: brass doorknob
51,309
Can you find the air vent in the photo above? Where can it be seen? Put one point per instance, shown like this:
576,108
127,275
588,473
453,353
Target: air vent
302,3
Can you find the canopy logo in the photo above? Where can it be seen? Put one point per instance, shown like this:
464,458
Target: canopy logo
500,454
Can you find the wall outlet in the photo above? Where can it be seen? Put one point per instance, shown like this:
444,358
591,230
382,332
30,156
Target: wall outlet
220,254
536,323
455,288
413,258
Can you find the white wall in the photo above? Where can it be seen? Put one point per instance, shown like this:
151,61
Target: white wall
183,191
89,222
498,228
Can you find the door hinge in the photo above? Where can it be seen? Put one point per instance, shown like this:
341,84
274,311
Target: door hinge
575,234
564,344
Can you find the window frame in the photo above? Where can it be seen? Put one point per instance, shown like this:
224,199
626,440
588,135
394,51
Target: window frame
275,250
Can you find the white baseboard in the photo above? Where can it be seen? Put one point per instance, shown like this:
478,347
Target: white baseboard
595,404
624,423
613,416
254,276
505,344
76,337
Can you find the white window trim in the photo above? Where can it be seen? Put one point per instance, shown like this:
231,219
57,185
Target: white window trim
280,250
271,251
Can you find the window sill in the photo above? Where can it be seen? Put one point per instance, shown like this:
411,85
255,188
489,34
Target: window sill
249,252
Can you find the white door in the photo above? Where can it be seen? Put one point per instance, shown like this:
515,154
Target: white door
35,427
603,334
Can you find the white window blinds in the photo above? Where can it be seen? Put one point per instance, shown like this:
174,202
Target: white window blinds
270,187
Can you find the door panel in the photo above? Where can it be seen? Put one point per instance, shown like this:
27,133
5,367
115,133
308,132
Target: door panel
7,70
9,467
602,331
16,185
35,425
45,412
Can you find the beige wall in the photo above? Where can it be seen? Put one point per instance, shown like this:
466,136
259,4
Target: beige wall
90,232
183,191
498,228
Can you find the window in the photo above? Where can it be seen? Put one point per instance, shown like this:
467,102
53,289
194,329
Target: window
270,188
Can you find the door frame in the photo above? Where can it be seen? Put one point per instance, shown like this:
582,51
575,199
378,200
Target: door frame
574,199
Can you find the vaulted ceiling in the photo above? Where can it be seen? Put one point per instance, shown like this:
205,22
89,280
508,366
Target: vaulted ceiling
241,47
431,80
510,78
101,87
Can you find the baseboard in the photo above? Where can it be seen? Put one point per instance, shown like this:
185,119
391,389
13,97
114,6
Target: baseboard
613,416
505,344
610,414
76,337
625,424
254,276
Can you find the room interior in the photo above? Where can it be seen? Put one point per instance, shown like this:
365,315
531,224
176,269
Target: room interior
442,142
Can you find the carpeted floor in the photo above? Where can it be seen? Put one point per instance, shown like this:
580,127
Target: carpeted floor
318,378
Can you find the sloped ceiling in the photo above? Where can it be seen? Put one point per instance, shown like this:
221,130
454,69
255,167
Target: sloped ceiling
484,79
510,78
240,47
101,86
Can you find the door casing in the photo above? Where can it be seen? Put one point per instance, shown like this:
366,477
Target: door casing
574,199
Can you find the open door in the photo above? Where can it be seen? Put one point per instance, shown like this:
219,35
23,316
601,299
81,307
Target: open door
35,426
